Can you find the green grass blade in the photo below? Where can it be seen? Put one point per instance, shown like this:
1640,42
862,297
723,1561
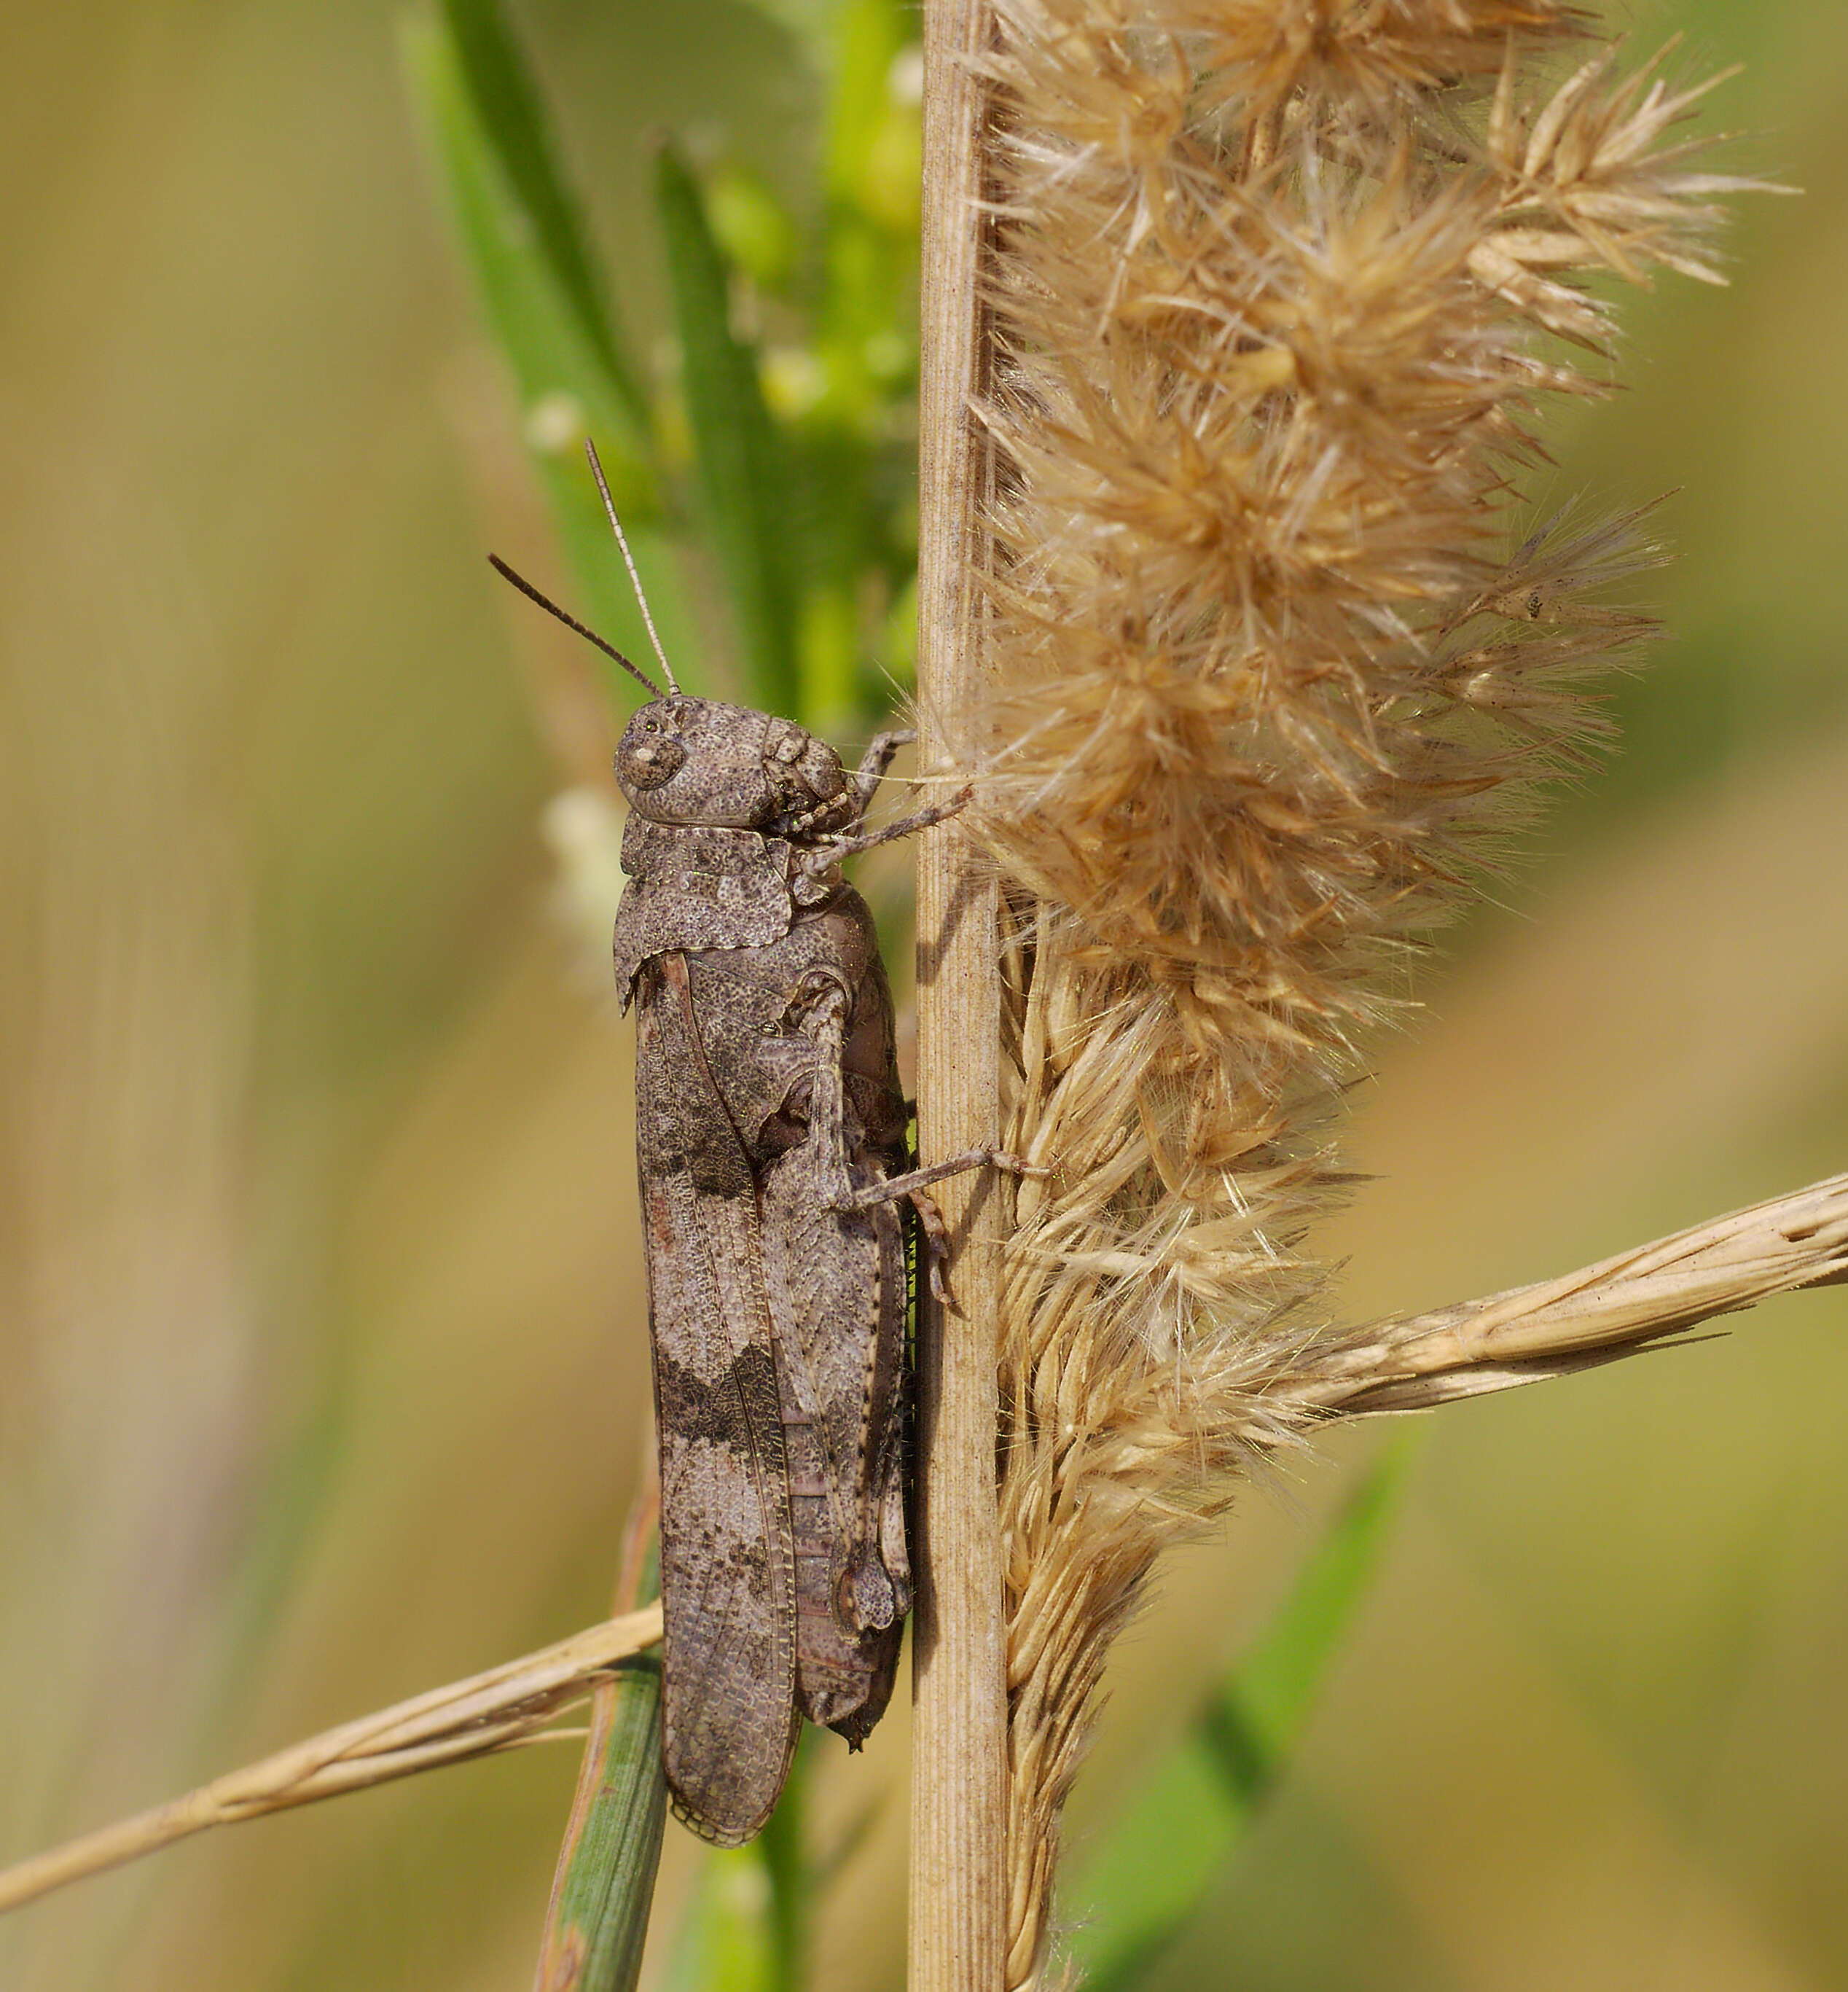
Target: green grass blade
601,1920
743,479
1158,1861
560,362
600,1899
551,348
511,116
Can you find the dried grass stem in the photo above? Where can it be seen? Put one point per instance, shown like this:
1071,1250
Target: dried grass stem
505,1706
1615,1308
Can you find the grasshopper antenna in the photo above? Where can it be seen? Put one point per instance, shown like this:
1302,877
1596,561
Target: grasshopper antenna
572,623
635,580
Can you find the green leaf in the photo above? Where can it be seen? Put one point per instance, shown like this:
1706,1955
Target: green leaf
1159,1859
598,1922
743,478
510,116
518,231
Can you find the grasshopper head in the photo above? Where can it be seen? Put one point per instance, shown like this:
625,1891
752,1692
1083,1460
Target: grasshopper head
694,762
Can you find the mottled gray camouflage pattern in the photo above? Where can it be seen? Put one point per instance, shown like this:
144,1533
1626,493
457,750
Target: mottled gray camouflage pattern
768,1106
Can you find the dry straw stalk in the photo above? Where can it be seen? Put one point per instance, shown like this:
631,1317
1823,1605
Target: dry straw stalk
959,1811
506,1706
1554,1327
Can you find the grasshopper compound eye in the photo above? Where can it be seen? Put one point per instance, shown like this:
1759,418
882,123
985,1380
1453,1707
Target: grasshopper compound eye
648,756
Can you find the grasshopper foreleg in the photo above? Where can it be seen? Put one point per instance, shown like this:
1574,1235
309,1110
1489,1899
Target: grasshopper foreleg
834,848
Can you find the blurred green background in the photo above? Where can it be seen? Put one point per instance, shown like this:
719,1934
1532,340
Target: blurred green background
321,1367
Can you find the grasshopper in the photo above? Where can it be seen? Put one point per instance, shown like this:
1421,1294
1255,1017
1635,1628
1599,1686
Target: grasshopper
772,1157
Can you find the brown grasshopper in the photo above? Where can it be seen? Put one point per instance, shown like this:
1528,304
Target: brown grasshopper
770,1136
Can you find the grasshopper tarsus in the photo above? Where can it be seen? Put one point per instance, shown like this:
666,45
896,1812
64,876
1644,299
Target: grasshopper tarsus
891,1187
914,1188
835,846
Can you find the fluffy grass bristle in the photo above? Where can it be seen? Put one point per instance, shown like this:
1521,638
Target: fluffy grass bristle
1282,290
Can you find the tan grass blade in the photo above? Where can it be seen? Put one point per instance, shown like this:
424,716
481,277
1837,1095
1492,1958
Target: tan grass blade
1619,1307
488,1711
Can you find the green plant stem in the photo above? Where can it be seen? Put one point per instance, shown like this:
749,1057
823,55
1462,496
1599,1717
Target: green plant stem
597,1924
